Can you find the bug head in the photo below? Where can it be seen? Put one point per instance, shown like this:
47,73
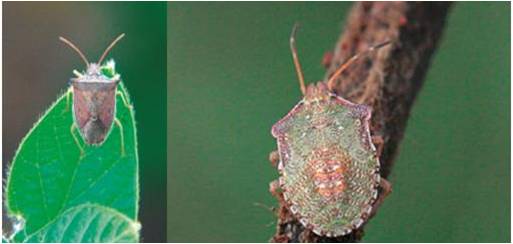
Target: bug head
96,72
317,92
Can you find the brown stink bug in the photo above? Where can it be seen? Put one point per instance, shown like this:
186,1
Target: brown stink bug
329,167
94,98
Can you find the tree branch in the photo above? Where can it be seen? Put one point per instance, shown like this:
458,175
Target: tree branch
388,81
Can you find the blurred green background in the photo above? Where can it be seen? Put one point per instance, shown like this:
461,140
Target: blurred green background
37,68
231,77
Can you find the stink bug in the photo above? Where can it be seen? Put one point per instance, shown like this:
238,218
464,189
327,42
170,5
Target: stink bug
94,99
328,164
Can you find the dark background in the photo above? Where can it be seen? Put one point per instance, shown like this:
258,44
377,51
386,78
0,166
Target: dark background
37,67
231,78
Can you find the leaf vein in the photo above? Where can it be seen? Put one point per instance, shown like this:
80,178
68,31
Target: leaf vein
96,180
41,185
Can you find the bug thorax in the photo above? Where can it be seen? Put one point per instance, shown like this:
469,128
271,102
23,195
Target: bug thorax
317,92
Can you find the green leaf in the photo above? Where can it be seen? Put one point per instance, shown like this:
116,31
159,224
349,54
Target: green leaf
49,175
88,223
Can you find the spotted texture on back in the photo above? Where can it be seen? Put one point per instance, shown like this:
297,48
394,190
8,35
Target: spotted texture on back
328,165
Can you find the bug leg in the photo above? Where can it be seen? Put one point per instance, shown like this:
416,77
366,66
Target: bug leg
121,133
274,157
385,190
274,188
378,143
73,128
68,98
123,98
269,208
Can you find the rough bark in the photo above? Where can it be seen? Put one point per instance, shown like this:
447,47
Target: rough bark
388,81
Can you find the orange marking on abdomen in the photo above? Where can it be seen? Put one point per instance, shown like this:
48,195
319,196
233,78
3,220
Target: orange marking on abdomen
327,167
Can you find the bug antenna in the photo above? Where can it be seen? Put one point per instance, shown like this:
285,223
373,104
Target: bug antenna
293,49
70,44
107,50
351,60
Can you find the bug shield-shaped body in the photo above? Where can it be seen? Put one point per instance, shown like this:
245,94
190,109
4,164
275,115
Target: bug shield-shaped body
328,164
94,101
